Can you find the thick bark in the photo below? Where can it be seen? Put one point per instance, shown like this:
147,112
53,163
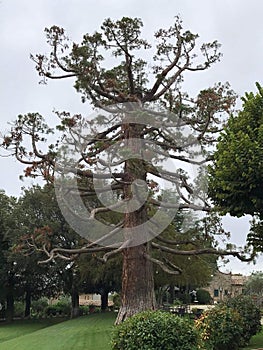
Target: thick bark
27,303
104,300
137,272
137,283
74,302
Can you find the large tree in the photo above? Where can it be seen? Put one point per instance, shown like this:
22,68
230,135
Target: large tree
236,174
143,120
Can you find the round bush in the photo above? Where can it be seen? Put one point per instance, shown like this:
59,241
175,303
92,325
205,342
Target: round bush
251,316
203,296
155,330
221,328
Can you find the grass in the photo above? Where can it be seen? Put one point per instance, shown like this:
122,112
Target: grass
92,332
255,342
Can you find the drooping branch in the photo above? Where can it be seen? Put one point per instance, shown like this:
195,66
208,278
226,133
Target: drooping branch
111,254
175,242
108,208
71,253
212,251
179,206
173,270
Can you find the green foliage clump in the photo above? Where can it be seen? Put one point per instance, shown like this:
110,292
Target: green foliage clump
235,182
250,314
61,308
116,300
155,330
203,296
19,309
221,328
83,310
38,307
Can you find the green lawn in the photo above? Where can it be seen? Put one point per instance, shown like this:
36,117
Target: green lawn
255,343
92,332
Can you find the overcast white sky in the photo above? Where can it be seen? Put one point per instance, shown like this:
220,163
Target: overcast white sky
236,24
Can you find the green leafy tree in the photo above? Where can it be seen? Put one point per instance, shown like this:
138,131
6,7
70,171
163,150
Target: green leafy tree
196,270
38,215
141,102
8,277
236,173
254,284
254,287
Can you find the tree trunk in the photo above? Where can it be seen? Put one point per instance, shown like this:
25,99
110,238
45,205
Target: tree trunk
171,294
10,306
104,300
28,303
137,272
74,302
137,283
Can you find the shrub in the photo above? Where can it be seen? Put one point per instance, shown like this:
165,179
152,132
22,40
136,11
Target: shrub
61,308
185,298
83,310
155,330
250,314
38,307
221,328
51,310
19,309
203,296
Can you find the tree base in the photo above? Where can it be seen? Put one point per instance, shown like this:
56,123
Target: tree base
126,311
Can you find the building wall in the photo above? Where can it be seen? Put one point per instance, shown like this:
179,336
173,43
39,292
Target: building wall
87,299
225,285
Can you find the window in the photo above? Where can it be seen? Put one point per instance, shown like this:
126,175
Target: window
216,293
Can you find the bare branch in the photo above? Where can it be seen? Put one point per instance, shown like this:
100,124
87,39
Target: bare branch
213,251
151,95
114,252
179,206
175,242
56,252
106,209
174,271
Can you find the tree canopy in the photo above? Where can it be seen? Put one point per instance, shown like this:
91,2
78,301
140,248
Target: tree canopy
236,173
235,182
